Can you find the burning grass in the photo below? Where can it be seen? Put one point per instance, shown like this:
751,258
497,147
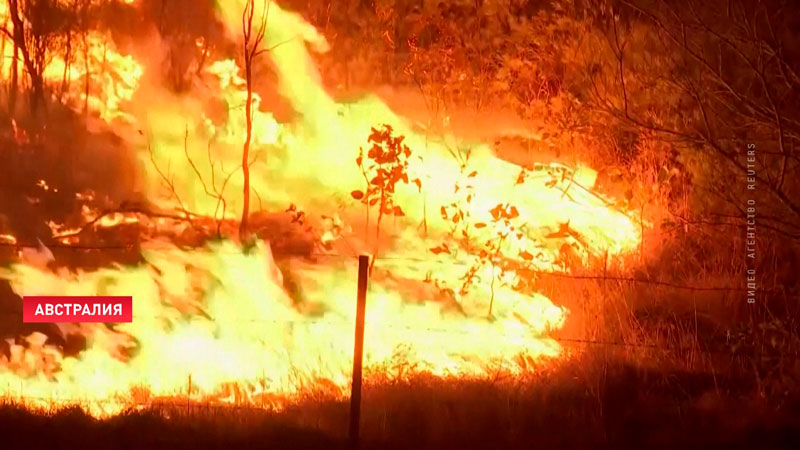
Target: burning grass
519,291
611,402
452,292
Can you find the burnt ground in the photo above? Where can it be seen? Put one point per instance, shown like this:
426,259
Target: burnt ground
583,405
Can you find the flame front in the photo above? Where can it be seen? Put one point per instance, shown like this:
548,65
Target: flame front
221,323
101,78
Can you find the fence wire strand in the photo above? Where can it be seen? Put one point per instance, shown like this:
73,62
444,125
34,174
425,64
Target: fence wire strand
566,275
162,401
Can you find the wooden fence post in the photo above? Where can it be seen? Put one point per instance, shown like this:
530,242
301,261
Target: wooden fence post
358,352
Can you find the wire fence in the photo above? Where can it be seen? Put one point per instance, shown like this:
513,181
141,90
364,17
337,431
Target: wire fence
195,400
241,395
433,260
727,350
604,278
497,333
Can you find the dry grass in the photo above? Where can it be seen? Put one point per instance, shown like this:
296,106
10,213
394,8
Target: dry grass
653,366
596,401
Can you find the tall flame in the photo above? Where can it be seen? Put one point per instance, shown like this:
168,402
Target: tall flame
219,322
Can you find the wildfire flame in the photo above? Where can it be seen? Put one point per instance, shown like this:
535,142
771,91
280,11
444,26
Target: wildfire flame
106,78
220,323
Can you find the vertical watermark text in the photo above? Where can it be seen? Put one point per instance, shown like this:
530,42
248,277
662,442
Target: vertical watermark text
750,230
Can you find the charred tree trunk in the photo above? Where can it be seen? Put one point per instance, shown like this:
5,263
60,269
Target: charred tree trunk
67,59
87,75
12,87
246,153
12,94
252,49
34,64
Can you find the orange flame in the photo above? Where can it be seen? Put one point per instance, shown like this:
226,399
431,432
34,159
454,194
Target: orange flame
219,323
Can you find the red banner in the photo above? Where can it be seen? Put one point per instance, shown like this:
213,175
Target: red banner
77,309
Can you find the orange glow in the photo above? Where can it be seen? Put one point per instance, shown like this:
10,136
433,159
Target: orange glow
218,323
111,78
